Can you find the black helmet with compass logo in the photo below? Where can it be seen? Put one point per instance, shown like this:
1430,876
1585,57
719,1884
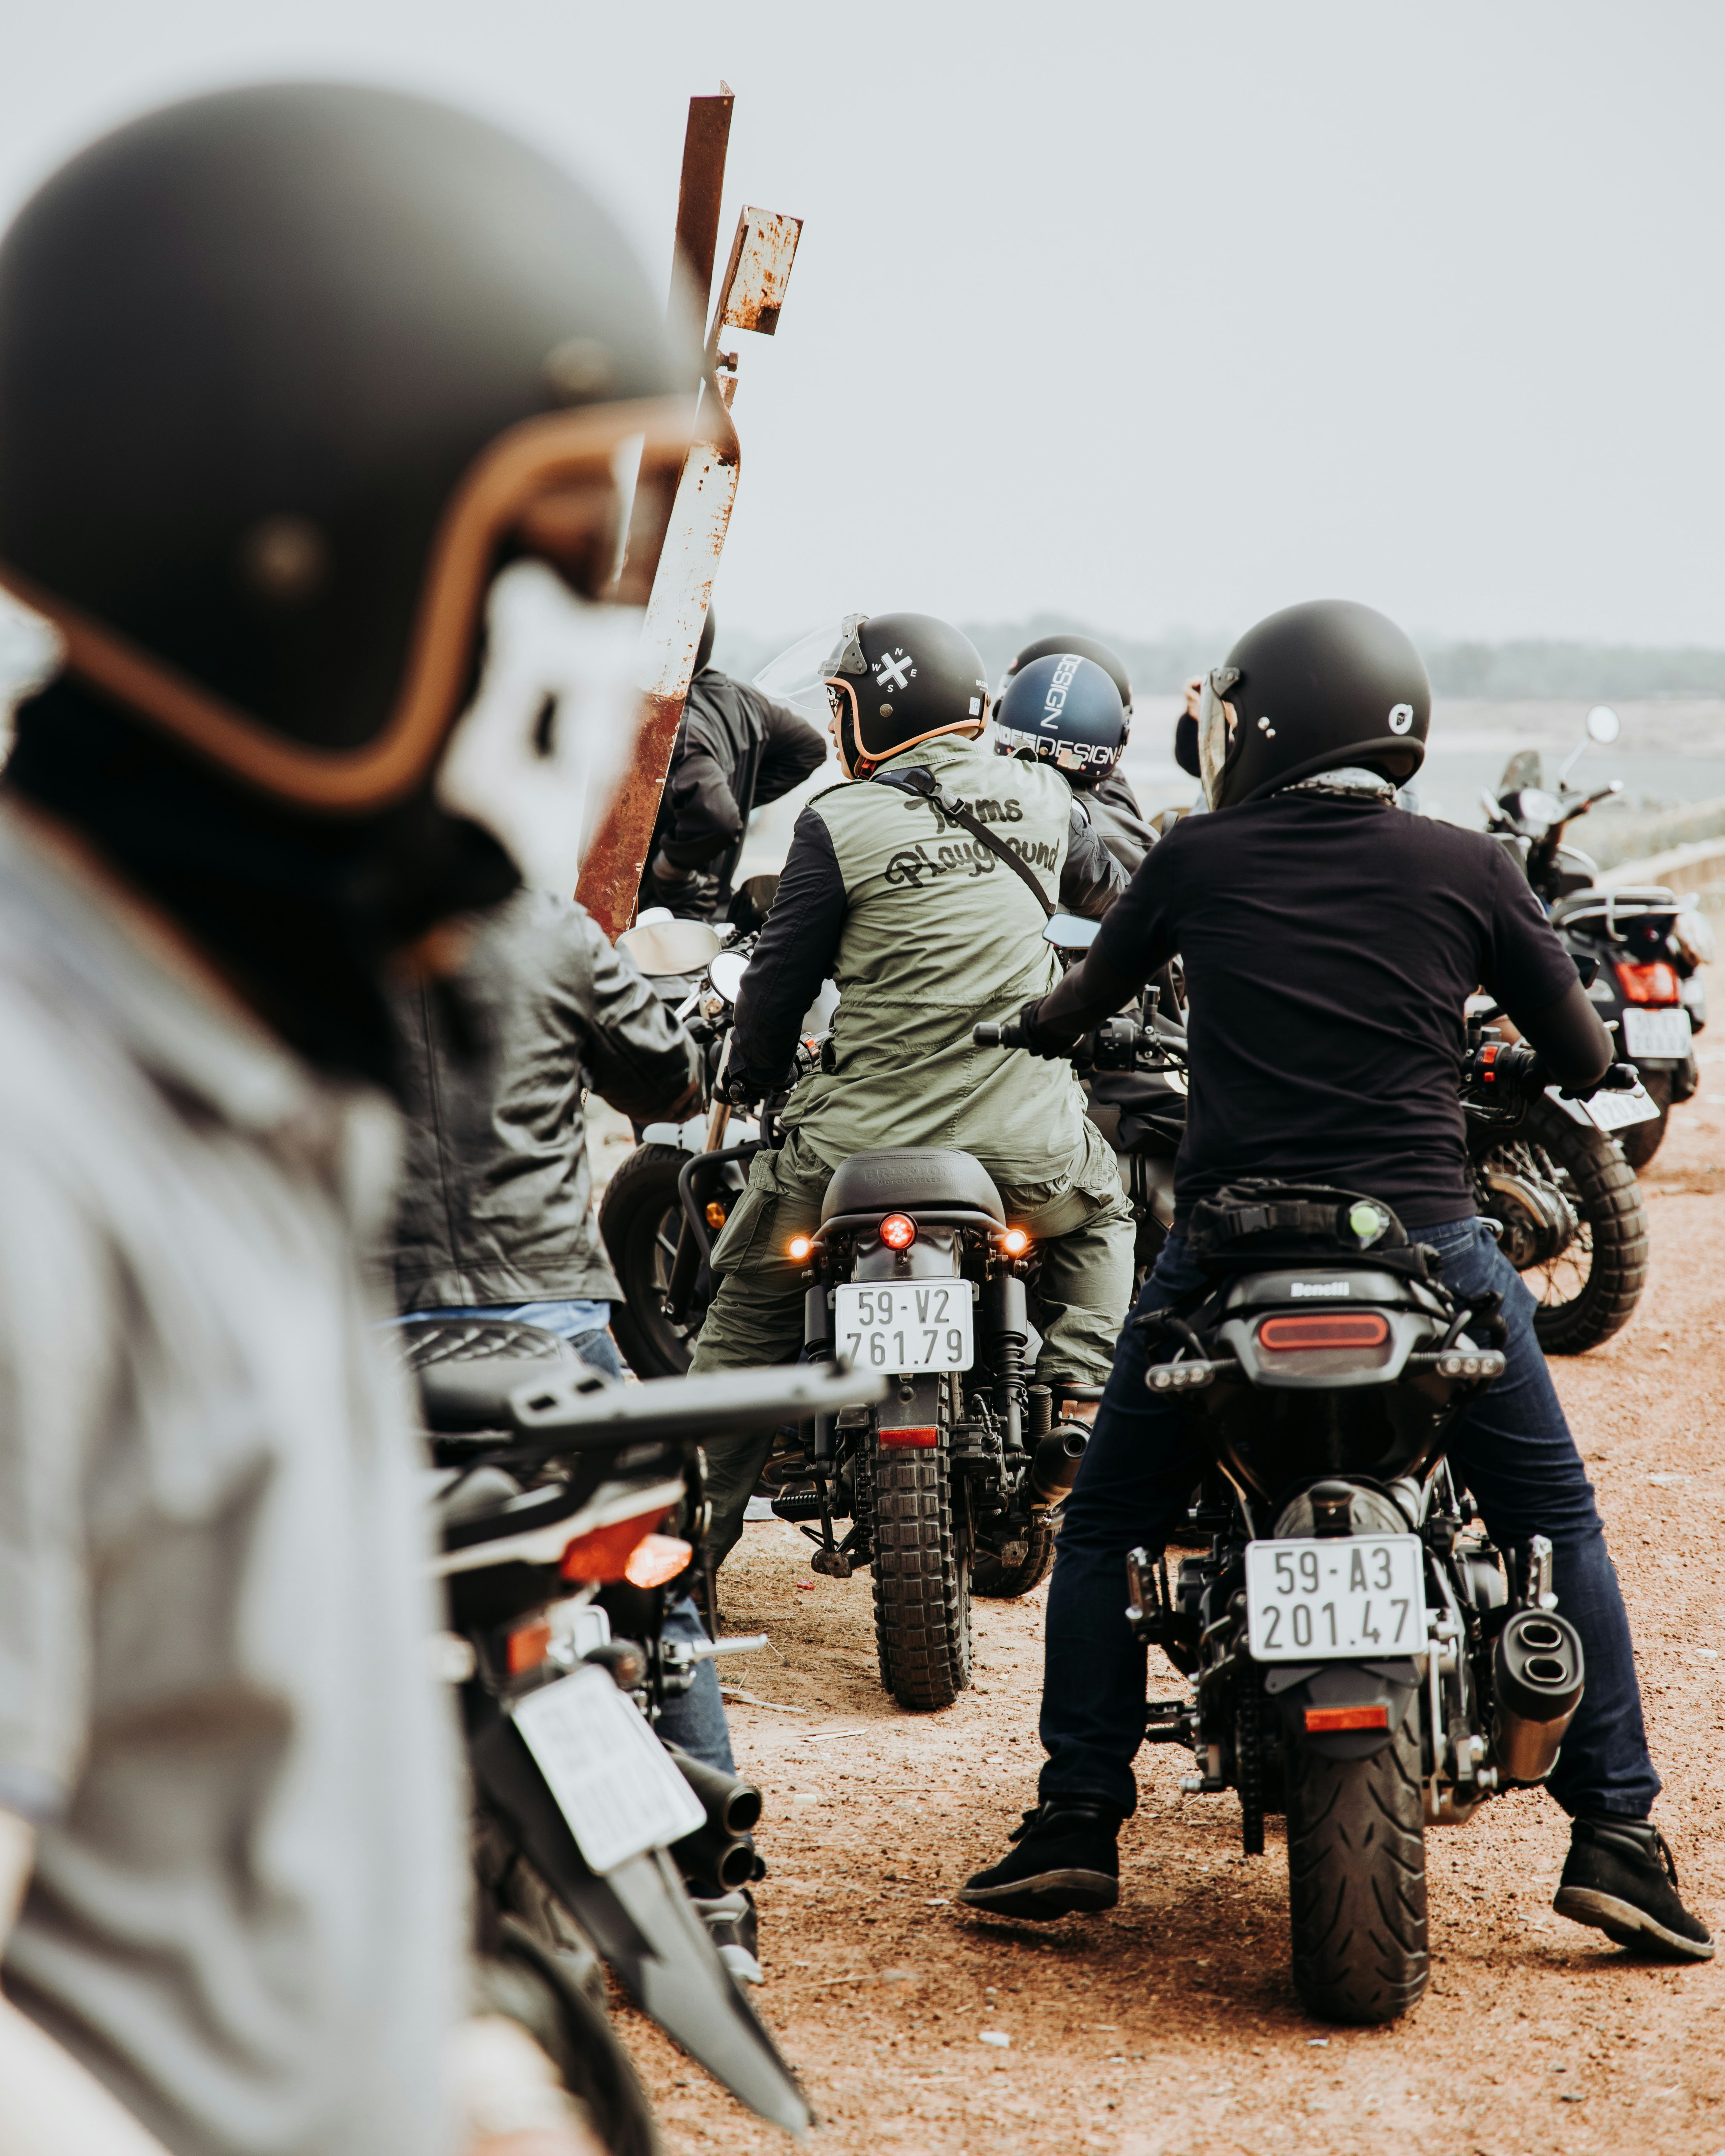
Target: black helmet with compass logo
893,679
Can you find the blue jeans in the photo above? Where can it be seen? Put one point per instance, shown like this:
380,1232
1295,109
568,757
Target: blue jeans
695,1718
1512,1448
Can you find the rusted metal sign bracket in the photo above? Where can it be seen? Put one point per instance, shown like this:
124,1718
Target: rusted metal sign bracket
751,298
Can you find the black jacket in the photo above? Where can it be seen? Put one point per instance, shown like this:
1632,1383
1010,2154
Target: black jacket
1118,819
496,1200
735,750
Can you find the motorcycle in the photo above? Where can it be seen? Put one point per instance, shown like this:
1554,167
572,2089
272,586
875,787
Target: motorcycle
1364,1662
1647,944
587,1830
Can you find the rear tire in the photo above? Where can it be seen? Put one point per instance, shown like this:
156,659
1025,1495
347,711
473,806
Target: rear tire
640,1215
1357,1880
922,1577
1004,1583
1641,1140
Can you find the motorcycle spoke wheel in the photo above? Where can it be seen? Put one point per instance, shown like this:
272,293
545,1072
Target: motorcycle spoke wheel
639,1218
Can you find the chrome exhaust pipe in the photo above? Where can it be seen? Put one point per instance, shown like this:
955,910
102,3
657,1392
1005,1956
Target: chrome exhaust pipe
1053,1466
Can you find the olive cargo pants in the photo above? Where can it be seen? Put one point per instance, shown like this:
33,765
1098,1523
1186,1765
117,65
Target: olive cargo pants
1078,1301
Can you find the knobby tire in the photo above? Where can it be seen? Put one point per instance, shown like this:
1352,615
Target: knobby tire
921,1577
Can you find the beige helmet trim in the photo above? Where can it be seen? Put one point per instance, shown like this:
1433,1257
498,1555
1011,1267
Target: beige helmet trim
558,450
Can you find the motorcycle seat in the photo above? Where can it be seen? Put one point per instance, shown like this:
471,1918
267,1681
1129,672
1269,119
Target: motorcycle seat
906,1177
1621,901
467,1368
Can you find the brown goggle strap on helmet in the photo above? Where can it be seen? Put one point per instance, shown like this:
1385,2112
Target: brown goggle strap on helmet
531,461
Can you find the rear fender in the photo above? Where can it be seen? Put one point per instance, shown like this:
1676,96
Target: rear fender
1393,1685
639,1918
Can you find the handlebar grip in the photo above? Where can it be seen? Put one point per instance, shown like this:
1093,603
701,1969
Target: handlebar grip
1620,1078
987,1035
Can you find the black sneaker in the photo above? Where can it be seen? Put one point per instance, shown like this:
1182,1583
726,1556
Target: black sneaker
1620,1877
734,1929
1067,1862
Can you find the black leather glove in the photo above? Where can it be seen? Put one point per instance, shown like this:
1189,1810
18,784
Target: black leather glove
1037,1041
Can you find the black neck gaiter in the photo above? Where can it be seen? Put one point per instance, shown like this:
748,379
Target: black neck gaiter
302,913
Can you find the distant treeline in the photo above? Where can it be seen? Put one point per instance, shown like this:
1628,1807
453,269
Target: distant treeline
1527,667
1503,672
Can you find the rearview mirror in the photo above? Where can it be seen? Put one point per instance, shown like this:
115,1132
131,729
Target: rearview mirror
671,946
726,974
1071,931
1603,724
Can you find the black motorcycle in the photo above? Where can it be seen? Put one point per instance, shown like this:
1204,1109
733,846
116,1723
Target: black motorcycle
950,1486
1646,945
1365,1663
589,1833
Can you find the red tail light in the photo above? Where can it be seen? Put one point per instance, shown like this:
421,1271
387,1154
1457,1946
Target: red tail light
1653,983
656,1558
604,1556
1324,1329
898,1231
1346,1717
923,1434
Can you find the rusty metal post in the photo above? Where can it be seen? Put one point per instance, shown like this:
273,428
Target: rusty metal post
752,297
704,142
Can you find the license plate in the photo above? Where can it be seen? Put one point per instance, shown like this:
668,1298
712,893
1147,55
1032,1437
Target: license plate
904,1325
612,1779
1663,1035
1348,1597
1607,1112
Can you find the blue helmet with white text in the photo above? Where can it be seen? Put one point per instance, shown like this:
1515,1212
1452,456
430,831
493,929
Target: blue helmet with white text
1064,710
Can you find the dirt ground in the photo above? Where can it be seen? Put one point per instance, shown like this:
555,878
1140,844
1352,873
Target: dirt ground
1168,2027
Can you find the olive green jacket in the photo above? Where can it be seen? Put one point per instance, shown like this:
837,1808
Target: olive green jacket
926,932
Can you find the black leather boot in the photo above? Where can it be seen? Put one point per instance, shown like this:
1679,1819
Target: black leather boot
1620,1877
1066,1861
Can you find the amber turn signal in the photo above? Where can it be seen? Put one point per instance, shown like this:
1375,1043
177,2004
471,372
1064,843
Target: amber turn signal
655,1560
528,1646
602,1556
1015,1242
798,1249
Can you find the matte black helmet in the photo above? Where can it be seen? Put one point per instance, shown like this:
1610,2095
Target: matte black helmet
1313,689
894,679
286,374
1064,710
1086,647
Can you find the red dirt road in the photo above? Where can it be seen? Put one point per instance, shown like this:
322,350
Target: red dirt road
1168,2026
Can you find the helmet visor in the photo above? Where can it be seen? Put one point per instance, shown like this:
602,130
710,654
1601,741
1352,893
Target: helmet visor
799,674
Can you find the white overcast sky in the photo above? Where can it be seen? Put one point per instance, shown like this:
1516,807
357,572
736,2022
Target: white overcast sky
1152,314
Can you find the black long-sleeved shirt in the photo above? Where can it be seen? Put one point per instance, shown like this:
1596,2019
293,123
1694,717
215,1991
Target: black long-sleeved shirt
1329,946
735,750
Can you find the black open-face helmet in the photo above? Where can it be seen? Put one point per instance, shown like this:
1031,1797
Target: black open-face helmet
1063,709
880,683
288,376
1314,688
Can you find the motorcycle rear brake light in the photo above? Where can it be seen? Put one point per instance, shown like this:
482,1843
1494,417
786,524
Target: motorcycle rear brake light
1015,1242
528,1645
1319,1719
1357,1329
898,1231
656,1558
1655,982
798,1249
604,1556
924,1433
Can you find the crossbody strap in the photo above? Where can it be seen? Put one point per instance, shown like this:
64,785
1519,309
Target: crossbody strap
919,779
